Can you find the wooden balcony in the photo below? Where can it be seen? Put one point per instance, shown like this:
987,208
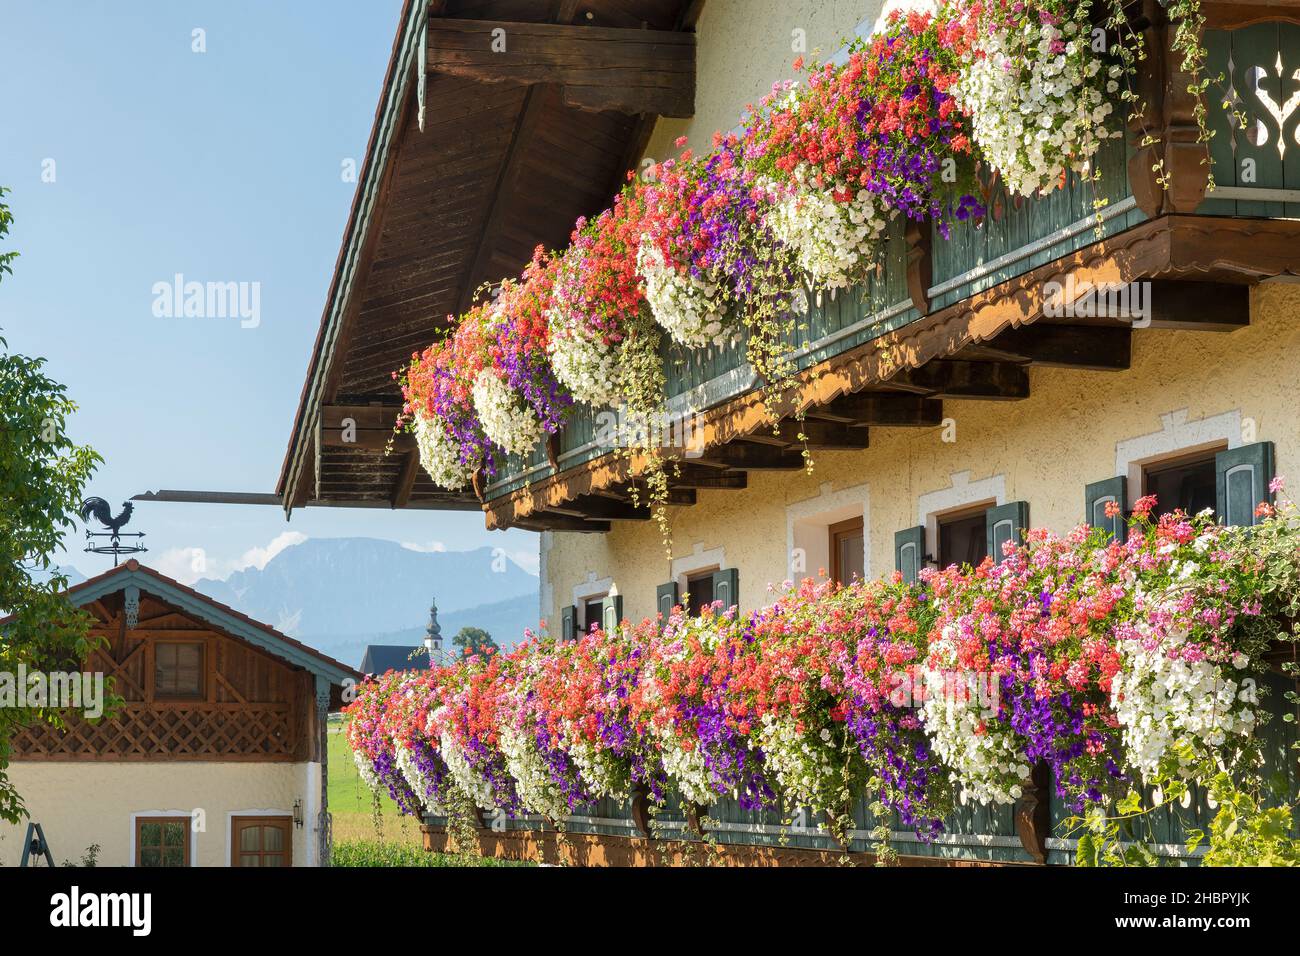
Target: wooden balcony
960,318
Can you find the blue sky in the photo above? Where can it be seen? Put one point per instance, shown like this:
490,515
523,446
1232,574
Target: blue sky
222,166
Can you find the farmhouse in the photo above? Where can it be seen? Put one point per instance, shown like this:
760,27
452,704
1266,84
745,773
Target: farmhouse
216,756
947,401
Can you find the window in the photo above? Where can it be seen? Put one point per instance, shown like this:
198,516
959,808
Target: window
162,841
261,841
591,613
963,538
847,546
700,590
178,670
1187,482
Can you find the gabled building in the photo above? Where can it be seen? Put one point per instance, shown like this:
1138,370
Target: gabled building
217,756
382,658
948,404
945,407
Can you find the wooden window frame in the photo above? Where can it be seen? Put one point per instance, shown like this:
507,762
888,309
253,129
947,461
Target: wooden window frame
261,820
140,822
204,661
838,531
1179,459
586,605
1207,454
698,576
963,513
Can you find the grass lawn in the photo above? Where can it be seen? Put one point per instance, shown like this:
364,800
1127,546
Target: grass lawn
352,804
396,841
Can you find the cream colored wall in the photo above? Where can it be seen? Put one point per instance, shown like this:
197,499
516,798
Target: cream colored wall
81,803
747,45
1044,449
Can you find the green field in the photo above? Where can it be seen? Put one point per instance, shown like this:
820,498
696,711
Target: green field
352,804
359,840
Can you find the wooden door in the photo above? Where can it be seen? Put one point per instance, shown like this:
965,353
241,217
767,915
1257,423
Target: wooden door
261,841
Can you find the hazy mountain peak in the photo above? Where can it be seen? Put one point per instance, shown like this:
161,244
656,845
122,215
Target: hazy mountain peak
367,585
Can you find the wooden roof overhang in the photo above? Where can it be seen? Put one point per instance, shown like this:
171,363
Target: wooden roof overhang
500,122
977,348
130,580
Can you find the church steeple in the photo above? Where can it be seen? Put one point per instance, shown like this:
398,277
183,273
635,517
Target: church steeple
433,633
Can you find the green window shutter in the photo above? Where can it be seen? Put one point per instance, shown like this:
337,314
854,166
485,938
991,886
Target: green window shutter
1243,476
1005,523
611,612
726,588
568,623
1095,498
666,598
909,552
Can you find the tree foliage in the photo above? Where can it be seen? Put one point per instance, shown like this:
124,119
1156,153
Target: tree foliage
42,476
474,640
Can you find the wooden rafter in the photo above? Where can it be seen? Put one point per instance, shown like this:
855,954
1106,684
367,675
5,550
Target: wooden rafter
595,68
868,408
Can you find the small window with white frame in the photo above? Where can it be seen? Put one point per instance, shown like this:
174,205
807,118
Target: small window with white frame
961,535
1185,481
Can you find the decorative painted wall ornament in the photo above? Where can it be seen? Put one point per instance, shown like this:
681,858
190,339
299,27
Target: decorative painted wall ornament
1280,113
131,608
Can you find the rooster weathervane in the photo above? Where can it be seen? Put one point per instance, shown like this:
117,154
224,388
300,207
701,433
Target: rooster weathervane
98,509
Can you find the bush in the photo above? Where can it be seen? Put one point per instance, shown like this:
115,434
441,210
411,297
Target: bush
403,855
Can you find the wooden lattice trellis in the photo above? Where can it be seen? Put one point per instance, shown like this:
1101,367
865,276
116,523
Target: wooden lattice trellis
246,732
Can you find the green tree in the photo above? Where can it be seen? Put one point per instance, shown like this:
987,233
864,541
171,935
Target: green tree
474,640
42,476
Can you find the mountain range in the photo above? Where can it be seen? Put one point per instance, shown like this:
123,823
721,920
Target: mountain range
340,594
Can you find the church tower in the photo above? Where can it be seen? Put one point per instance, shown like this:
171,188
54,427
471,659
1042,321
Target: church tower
433,635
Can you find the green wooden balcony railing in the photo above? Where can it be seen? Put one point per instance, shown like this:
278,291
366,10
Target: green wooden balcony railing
971,832
1257,174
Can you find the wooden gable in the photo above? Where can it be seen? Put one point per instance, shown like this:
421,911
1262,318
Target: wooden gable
253,706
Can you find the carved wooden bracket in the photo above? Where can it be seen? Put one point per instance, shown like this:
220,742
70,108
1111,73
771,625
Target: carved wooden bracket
830,828
641,811
920,263
553,451
1033,813
131,607
1167,114
695,819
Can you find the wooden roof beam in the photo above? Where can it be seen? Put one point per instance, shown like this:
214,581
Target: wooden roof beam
695,477
597,68
866,408
745,456
603,509
1103,349
553,521
953,378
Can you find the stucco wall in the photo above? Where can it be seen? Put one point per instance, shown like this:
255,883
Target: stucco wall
81,803
744,47
1076,427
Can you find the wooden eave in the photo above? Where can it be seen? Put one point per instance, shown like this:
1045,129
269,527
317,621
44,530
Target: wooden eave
976,349
476,157
220,617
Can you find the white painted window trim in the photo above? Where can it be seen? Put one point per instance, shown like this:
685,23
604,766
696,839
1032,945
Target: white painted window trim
960,494
829,502
231,815
700,560
194,834
592,589
1176,437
